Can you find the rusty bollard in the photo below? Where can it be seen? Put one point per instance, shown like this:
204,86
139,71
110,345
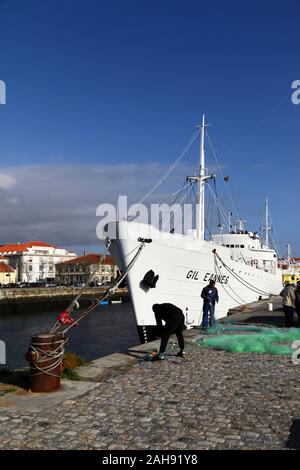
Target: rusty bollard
45,355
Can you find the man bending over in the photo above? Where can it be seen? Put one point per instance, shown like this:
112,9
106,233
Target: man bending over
174,323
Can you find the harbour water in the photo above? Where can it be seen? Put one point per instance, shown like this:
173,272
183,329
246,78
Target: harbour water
108,329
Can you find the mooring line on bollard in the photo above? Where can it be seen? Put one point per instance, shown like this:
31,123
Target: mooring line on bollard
44,356
57,354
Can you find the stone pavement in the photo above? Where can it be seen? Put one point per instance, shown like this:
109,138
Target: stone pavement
208,400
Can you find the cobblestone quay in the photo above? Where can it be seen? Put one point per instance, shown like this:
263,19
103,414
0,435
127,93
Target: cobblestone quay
208,400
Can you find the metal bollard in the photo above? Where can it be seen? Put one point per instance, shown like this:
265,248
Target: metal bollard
45,355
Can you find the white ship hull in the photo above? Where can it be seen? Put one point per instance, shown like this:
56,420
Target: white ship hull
184,265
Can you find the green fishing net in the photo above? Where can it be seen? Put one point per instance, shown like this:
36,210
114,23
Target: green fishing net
172,346
234,328
262,340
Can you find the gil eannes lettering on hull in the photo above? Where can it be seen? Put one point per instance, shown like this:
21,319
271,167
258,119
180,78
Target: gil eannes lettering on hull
195,275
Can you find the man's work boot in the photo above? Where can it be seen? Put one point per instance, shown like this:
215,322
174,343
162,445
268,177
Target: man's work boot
181,354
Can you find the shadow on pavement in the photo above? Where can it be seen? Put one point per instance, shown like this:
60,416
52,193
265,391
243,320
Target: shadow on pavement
267,320
293,441
19,378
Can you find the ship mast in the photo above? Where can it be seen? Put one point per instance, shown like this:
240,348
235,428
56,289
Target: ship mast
267,222
201,220
289,253
201,178
267,228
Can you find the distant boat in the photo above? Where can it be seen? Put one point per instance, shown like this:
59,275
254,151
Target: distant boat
116,301
290,267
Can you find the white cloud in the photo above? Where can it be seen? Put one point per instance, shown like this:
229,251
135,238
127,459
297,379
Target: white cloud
12,200
58,203
7,181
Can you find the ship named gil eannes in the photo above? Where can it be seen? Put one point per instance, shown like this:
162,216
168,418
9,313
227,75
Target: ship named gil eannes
243,266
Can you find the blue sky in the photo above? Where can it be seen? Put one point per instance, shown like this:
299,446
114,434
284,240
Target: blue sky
97,89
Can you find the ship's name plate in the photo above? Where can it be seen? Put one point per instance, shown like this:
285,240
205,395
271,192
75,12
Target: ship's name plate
195,275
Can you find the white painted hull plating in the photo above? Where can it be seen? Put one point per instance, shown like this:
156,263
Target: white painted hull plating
176,259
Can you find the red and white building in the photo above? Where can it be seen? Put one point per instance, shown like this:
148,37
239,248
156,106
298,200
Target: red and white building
7,274
80,270
34,260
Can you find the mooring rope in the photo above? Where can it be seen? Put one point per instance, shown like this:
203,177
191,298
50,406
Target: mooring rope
110,290
86,284
228,293
83,288
245,283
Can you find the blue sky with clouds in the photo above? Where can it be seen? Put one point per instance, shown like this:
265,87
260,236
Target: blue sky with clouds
102,92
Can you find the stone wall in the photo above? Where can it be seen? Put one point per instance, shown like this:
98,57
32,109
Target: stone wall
27,295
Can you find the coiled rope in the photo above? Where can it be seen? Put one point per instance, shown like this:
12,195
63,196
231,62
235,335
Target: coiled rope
39,357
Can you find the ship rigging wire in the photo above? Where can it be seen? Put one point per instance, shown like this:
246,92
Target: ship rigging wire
168,172
176,193
218,204
179,203
275,237
223,176
241,280
216,194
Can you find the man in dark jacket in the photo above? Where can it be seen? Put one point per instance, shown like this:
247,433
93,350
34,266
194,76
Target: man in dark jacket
210,296
297,300
174,323
288,295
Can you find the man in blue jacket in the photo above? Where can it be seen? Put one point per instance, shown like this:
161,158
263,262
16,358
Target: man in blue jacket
210,296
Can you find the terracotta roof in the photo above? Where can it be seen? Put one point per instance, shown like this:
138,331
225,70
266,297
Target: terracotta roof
20,247
90,258
4,268
292,259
